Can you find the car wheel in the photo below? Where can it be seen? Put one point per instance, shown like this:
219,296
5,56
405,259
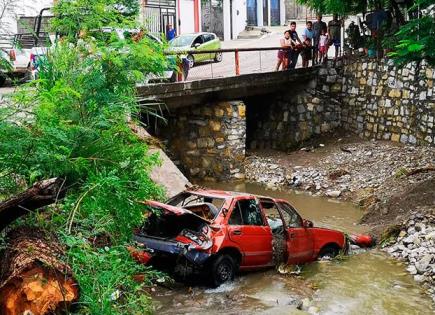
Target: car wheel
191,61
218,57
329,251
223,269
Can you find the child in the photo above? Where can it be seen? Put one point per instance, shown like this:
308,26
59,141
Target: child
283,53
323,45
307,37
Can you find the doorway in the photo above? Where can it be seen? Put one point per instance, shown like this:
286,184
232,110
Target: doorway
251,11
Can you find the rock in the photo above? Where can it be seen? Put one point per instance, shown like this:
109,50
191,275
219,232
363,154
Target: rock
412,270
430,236
313,310
419,278
306,303
423,264
333,193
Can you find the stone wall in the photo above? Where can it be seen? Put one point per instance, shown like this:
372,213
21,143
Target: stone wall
282,122
207,141
380,101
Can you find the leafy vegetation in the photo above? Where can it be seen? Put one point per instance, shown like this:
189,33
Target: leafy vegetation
413,40
416,38
74,124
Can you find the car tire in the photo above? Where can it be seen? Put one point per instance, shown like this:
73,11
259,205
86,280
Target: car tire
329,251
218,57
191,61
223,269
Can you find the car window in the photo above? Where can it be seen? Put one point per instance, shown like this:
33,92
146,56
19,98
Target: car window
181,41
198,40
246,212
208,37
272,214
291,217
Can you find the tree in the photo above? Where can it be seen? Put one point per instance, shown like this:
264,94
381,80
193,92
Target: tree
74,125
414,37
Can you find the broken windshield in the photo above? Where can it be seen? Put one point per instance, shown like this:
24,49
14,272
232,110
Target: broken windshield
205,206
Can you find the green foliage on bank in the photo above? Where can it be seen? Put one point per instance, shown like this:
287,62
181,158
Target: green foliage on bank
73,123
414,39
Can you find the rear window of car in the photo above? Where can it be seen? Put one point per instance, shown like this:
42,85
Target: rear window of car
208,37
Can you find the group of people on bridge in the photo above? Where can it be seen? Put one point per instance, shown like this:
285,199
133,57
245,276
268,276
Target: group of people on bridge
313,45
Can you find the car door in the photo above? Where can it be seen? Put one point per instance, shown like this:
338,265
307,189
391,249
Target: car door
248,229
215,42
208,45
300,243
198,45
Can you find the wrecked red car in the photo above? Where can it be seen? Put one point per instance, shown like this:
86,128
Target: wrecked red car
219,233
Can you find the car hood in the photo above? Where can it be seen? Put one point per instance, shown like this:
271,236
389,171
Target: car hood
168,209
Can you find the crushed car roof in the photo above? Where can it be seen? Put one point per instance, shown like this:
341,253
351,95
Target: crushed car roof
214,193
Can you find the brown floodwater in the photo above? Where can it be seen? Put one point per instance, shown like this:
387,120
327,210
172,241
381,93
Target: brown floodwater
367,282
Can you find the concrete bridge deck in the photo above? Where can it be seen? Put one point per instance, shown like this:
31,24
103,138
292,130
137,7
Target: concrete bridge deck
181,94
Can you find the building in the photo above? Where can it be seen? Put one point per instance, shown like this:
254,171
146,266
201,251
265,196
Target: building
265,12
296,11
228,18
19,15
184,15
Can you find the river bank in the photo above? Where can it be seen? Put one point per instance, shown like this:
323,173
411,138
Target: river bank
393,184
378,176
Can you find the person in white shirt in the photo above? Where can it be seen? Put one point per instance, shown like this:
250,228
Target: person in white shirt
283,54
323,46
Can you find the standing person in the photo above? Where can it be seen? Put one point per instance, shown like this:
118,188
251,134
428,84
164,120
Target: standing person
318,26
283,54
323,46
307,39
170,32
334,32
295,46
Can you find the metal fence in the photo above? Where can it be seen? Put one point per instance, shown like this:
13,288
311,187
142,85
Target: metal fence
231,62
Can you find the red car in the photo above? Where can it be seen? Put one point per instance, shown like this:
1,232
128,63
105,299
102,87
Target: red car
219,232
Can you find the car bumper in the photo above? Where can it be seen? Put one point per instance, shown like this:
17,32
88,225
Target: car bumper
158,246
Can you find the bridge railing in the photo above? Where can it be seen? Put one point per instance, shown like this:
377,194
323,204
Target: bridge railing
208,64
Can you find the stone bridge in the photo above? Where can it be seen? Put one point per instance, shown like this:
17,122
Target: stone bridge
211,123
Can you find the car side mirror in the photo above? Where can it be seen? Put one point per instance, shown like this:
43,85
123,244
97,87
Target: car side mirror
308,224
196,45
224,212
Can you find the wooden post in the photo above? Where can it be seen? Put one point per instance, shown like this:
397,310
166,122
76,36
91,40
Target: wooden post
236,60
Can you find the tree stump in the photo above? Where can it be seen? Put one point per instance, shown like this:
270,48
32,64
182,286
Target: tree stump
33,279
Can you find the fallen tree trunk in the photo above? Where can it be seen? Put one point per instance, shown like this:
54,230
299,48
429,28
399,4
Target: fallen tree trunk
33,278
39,195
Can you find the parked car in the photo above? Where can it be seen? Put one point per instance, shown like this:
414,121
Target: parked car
219,233
199,42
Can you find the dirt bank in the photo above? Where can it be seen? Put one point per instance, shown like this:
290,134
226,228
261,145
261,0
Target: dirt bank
388,180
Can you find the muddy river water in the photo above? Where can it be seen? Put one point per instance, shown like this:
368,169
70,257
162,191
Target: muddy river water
366,282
